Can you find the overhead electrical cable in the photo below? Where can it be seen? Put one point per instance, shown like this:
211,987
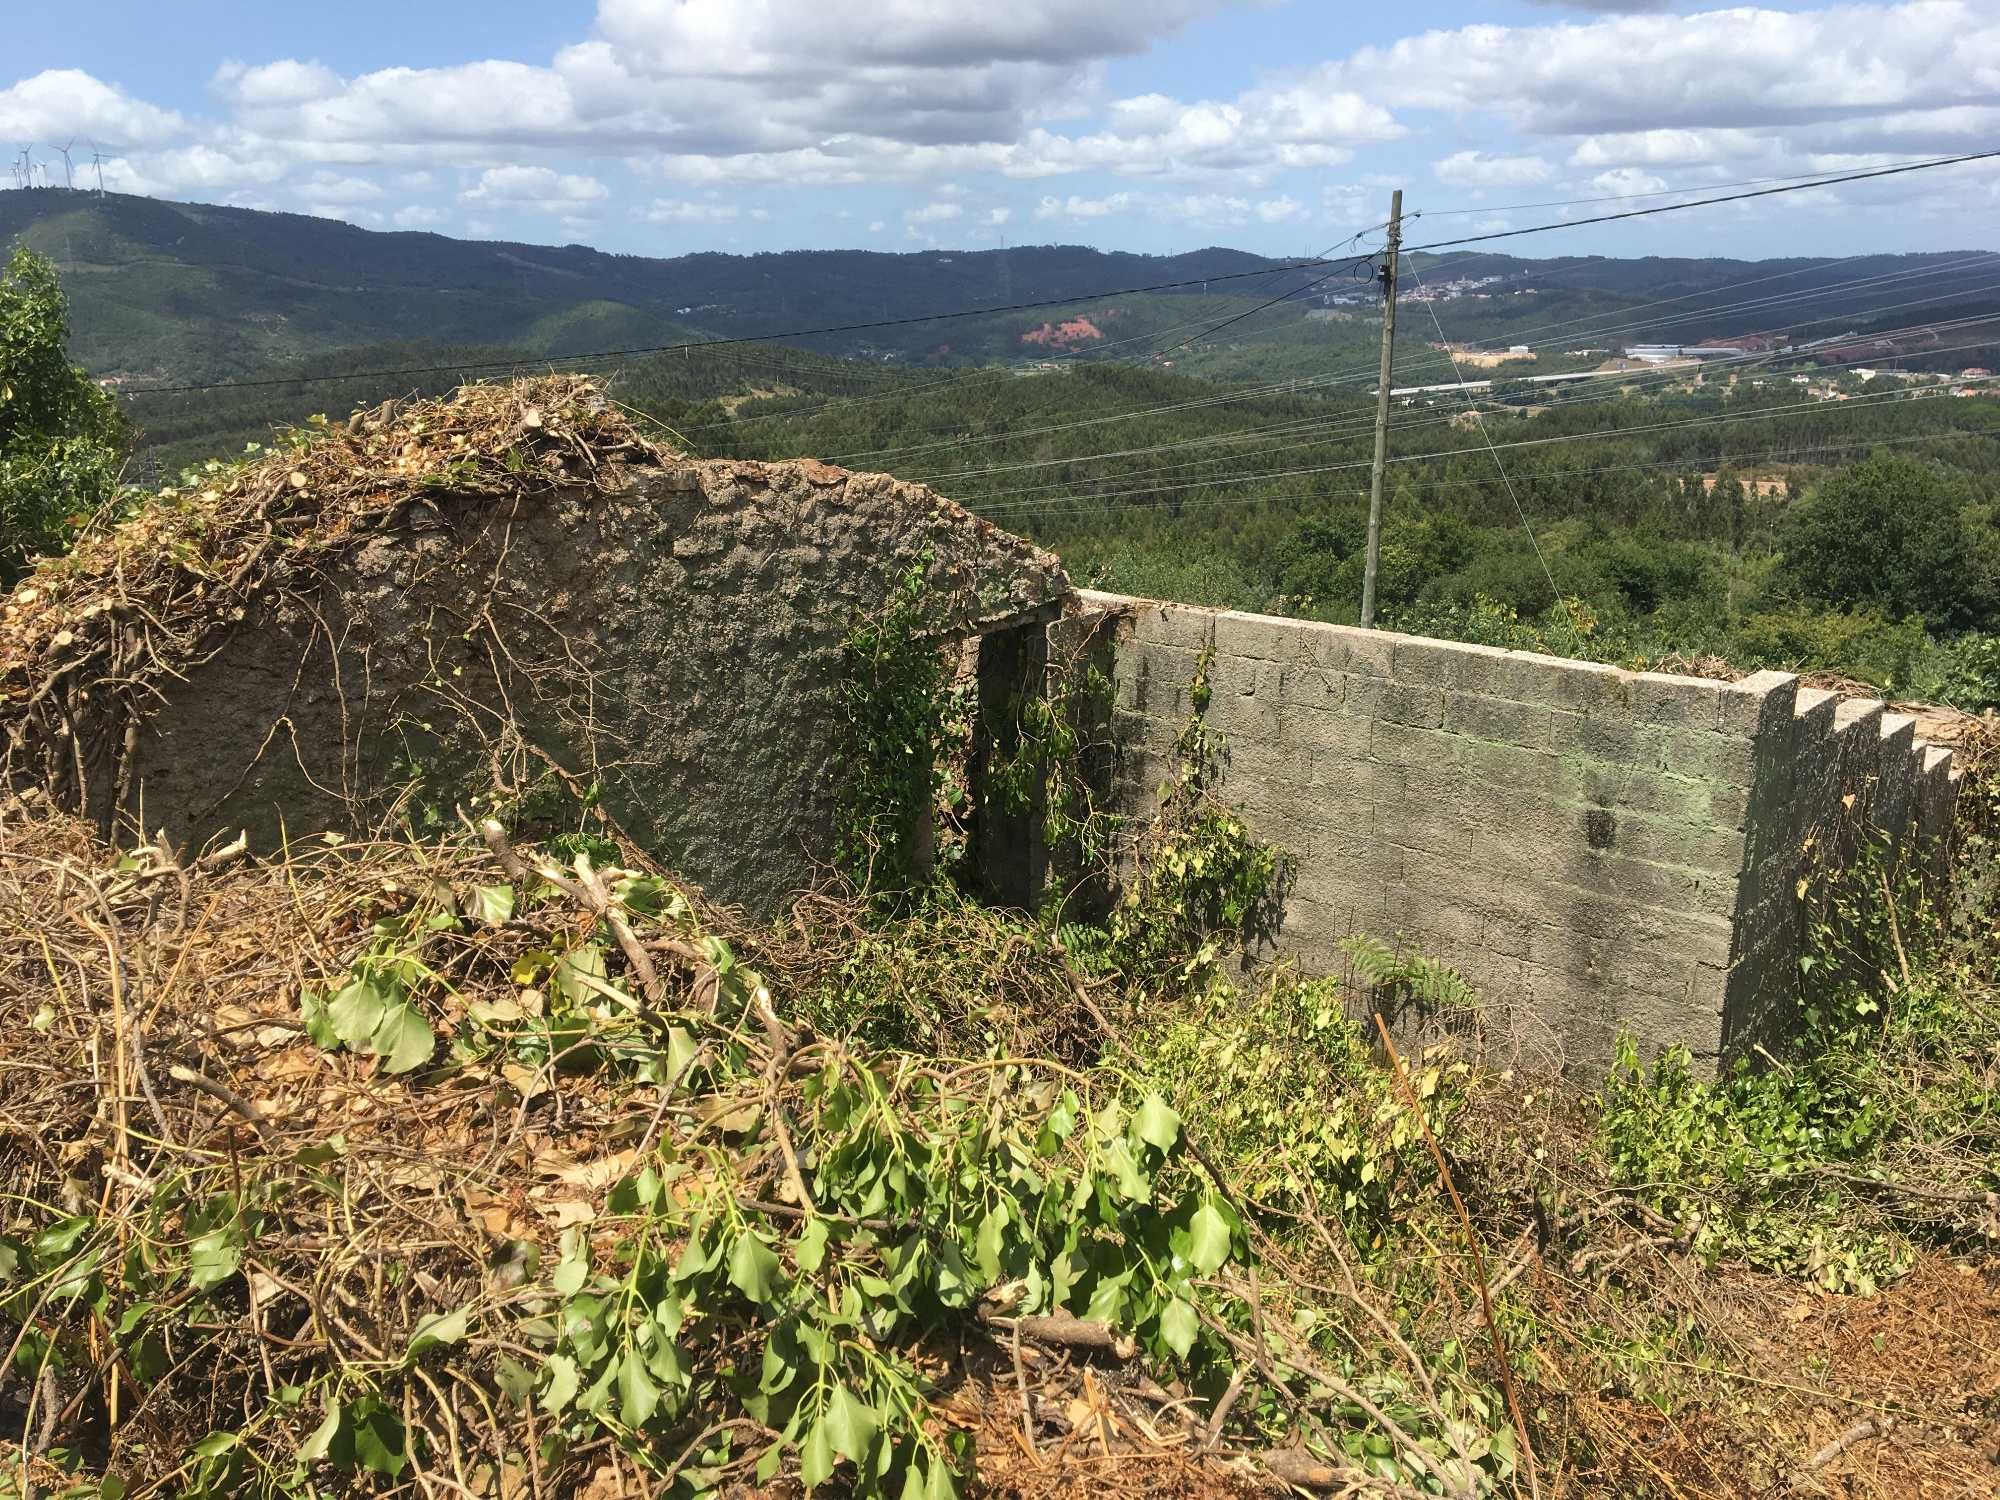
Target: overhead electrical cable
1479,420
1571,394
1081,510
1706,187
947,315
1669,208
1769,414
1302,384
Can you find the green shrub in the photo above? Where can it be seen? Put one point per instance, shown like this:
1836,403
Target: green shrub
1865,645
1201,885
1879,1132
62,439
1964,673
1283,1087
1891,534
901,717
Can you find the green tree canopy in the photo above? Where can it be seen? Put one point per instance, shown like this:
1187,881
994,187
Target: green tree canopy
1895,535
62,439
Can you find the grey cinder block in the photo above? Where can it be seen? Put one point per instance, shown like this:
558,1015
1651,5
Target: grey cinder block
1598,849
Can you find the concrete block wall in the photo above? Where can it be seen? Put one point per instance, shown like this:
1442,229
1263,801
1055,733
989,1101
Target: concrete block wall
1593,849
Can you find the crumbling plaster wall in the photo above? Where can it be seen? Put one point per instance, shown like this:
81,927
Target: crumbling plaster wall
1596,850
678,641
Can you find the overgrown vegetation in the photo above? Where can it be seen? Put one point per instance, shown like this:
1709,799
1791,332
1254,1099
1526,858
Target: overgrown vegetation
902,718
558,1174
63,441
449,1165
1201,887
1877,1134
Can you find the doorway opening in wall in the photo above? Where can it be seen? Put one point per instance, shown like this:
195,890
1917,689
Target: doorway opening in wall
954,743
1019,815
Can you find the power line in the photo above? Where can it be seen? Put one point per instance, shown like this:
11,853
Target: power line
1205,332
1082,510
1321,382
1771,414
1260,307
1706,187
1620,314
1274,388
1620,319
1626,380
1668,208
988,375
1312,383
1479,419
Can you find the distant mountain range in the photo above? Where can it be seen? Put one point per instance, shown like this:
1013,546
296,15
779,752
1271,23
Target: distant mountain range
167,292
193,291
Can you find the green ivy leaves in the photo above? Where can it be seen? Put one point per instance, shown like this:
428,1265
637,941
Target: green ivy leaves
899,711
214,1257
1208,1239
375,1016
364,1433
437,1331
492,904
753,1268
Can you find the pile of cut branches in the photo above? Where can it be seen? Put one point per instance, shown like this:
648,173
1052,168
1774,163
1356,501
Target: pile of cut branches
386,1165
89,641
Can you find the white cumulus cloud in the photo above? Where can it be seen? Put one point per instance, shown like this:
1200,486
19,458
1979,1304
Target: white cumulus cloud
1078,207
62,102
531,186
1628,182
1738,68
274,85
689,211
331,187
1481,169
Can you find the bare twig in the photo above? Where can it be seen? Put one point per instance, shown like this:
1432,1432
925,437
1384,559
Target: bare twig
223,1094
1860,1432
1506,1368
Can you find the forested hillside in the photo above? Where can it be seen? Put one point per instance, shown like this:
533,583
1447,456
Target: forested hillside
172,293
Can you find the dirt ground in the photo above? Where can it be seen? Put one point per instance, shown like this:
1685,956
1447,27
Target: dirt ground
1889,1397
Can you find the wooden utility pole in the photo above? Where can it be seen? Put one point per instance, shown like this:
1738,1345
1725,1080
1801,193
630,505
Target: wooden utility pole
1382,409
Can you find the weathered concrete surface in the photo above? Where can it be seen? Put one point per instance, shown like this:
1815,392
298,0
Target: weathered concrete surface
1595,850
677,641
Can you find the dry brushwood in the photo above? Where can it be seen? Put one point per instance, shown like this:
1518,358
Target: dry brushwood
90,642
445,1164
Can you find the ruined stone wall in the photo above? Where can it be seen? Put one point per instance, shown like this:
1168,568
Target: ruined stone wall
1595,850
677,642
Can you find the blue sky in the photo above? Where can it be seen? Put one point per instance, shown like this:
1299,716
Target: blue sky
663,126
